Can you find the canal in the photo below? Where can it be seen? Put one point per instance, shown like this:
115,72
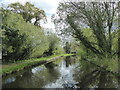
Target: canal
65,72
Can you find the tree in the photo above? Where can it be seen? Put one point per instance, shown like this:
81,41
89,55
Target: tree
21,40
53,43
98,17
28,12
67,47
15,46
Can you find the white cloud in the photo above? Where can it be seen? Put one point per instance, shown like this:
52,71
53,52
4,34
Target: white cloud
49,23
5,2
48,5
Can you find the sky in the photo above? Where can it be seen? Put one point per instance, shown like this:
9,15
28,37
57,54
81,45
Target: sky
49,6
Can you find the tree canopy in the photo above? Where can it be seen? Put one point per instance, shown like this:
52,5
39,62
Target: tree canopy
28,12
19,35
100,20
22,40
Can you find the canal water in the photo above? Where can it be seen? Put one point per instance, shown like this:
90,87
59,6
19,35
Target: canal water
65,72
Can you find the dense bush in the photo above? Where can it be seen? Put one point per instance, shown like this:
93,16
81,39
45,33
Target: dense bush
15,46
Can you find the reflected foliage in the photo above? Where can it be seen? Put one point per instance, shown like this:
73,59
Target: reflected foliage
94,77
75,73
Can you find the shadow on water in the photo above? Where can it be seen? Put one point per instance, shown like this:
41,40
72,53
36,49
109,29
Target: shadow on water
50,65
69,61
91,76
32,78
67,73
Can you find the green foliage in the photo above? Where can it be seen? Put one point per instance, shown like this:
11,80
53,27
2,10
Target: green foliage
53,44
81,51
110,64
14,45
58,50
28,12
22,38
21,64
115,42
93,24
71,46
25,40
33,36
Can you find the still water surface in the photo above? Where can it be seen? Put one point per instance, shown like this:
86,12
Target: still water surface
67,72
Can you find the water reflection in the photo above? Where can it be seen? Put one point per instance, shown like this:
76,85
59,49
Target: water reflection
10,80
35,78
66,76
91,76
50,65
69,61
69,72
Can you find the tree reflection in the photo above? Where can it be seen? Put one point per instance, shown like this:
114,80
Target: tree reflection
83,75
69,61
91,76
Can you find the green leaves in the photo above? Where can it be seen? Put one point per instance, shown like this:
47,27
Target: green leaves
54,42
28,12
21,39
13,44
91,23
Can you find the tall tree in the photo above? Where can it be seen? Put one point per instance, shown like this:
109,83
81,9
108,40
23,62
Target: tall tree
99,17
21,40
29,12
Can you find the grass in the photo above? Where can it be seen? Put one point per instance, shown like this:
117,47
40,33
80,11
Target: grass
21,64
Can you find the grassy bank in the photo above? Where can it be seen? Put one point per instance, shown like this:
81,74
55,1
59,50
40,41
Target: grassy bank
16,66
